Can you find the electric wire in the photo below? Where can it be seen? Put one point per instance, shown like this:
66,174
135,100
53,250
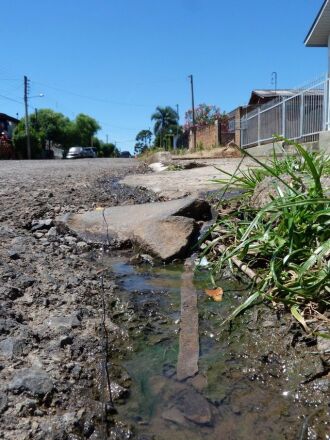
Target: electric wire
92,98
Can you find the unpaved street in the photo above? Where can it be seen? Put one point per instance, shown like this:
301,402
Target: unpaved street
50,295
57,340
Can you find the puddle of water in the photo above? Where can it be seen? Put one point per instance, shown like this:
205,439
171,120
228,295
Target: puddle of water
227,400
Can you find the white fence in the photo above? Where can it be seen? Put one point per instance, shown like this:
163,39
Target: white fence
299,116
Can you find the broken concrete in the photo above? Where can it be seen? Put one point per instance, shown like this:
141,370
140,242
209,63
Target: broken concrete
165,230
196,181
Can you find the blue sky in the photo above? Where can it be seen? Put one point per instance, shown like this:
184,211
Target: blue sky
116,60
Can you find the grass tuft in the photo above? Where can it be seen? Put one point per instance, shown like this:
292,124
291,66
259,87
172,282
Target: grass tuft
287,243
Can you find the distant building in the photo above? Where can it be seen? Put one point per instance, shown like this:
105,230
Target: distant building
259,97
7,125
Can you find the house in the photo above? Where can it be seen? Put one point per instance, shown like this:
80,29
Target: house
7,125
319,36
319,33
260,97
297,114
301,114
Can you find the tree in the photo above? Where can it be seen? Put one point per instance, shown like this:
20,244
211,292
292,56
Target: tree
143,140
204,115
49,127
20,141
166,124
165,118
86,127
52,126
109,150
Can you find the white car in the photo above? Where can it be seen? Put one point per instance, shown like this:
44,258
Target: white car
75,153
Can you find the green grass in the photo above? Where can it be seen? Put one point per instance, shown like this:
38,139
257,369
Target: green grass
298,166
287,242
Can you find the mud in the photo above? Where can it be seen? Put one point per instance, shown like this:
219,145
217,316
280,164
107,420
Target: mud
260,377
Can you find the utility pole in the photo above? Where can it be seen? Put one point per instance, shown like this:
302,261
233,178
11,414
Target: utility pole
107,137
177,112
274,80
27,123
193,108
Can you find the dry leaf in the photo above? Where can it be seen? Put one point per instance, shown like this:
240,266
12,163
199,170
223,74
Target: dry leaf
216,294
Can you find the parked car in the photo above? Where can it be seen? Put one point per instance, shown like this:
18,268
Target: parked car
125,154
89,152
75,153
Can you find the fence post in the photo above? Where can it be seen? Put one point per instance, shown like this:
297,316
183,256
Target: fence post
325,104
301,114
258,126
283,119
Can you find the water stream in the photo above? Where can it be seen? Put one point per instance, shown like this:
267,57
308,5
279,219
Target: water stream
245,388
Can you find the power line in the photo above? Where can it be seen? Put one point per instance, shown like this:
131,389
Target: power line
11,99
10,79
92,98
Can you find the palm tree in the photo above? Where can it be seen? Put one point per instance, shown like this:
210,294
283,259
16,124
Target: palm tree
165,118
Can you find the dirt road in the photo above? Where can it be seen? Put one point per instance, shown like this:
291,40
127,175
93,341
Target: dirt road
50,350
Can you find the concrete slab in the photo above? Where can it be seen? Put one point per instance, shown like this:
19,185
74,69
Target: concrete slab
164,229
175,184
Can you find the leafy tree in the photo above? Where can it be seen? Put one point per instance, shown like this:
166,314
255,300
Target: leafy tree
20,141
109,150
166,126
97,143
143,141
51,126
204,115
165,118
86,127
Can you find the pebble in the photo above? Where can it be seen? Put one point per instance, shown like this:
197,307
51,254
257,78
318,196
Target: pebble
34,381
11,347
13,254
82,246
323,345
3,402
10,292
52,232
41,224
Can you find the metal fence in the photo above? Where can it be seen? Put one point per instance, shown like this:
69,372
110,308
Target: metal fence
300,116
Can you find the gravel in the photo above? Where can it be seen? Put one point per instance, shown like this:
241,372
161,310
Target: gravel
50,348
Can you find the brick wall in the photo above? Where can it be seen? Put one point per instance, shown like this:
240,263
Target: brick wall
207,136
211,136
6,150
